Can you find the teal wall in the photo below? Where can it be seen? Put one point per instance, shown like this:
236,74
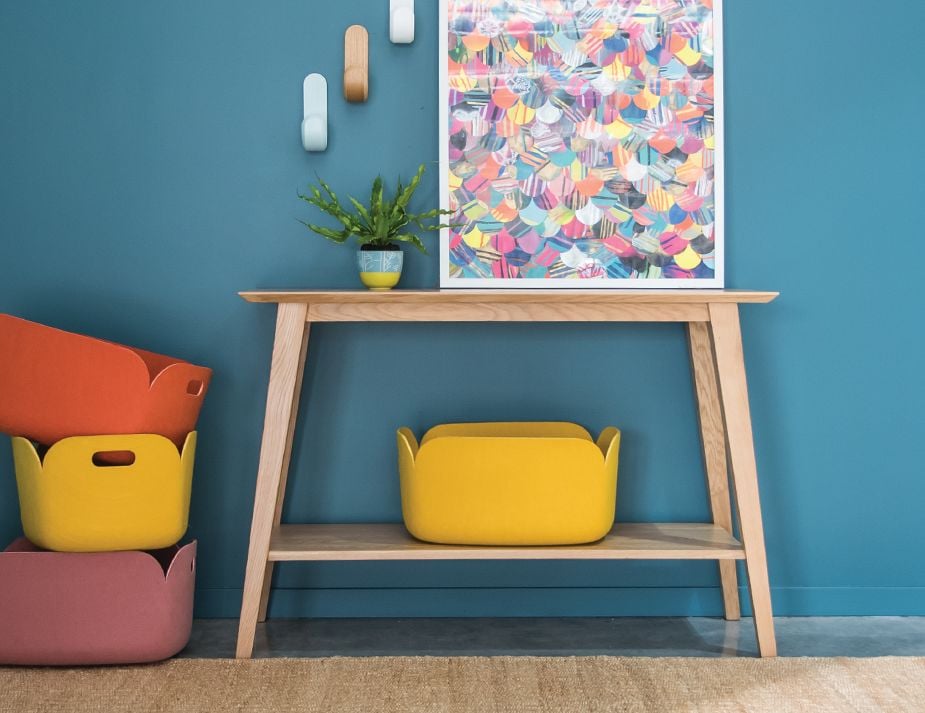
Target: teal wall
149,163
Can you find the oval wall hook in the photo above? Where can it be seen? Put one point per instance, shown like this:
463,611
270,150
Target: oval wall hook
401,21
356,64
315,113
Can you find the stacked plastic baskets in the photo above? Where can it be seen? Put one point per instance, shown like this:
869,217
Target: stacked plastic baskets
100,576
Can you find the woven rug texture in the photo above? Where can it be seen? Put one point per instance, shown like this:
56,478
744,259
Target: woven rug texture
475,684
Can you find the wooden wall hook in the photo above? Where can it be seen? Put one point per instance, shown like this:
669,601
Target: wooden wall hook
356,64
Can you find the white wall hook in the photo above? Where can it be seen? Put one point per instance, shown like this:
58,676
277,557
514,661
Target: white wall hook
401,21
315,113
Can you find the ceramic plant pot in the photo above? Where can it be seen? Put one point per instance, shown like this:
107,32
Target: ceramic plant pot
380,269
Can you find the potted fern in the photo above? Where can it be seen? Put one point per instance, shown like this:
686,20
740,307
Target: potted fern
378,227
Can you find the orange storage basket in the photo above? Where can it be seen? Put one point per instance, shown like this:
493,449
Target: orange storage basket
55,384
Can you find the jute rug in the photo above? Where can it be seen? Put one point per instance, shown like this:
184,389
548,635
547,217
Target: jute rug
495,685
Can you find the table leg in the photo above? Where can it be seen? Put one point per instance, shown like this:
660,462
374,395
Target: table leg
284,474
730,365
713,438
284,375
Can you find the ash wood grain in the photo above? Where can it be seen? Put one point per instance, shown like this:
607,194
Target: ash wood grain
284,472
392,542
507,312
284,371
712,317
356,64
730,366
713,439
554,296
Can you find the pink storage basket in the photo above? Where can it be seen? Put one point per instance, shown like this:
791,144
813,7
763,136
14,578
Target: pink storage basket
55,384
94,608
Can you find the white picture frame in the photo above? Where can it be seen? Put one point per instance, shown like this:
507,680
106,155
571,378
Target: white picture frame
717,280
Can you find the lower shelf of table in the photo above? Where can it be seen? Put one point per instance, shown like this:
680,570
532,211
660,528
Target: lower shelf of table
627,541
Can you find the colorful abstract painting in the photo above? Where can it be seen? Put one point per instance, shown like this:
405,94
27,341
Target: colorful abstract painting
580,143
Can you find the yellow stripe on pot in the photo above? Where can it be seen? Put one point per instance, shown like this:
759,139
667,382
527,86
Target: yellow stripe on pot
380,280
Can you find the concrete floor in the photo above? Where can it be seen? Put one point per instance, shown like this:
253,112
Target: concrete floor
804,636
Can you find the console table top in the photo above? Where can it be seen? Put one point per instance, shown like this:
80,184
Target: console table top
518,296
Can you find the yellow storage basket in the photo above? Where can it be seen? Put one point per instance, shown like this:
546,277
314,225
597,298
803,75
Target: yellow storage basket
508,483
75,500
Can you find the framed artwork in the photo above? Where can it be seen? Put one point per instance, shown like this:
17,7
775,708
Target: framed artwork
581,143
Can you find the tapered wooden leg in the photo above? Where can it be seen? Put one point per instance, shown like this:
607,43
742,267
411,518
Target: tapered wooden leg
284,474
713,437
730,365
284,374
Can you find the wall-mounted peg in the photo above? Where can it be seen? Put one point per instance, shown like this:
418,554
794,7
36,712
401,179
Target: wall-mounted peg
315,113
401,21
356,64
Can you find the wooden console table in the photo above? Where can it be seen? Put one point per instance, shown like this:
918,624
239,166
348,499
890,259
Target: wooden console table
712,318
